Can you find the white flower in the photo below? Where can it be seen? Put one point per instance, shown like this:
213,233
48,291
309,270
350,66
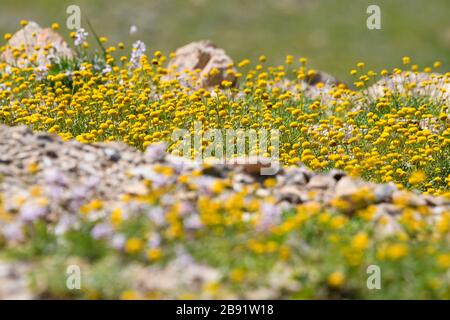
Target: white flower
154,241
136,54
106,69
118,241
80,37
133,30
41,73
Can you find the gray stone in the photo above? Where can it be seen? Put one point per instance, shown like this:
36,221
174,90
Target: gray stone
205,56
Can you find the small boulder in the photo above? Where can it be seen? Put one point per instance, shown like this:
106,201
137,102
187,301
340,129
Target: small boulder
321,182
206,57
254,165
44,43
321,77
347,186
292,194
413,84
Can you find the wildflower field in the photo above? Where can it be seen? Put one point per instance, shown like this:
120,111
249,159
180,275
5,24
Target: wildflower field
240,242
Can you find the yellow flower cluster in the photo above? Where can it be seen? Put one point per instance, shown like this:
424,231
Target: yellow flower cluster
395,138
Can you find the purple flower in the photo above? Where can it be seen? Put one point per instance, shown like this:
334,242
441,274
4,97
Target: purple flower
154,241
55,192
205,183
183,258
79,193
156,215
65,223
101,230
13,232
78,196
32,211
193,222
270,215
91,182
74,205
118,241
54,176
186,208
167,199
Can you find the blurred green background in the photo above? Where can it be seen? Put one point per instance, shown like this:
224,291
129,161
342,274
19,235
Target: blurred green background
331,33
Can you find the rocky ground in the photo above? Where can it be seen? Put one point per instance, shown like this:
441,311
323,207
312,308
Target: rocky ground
113,169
